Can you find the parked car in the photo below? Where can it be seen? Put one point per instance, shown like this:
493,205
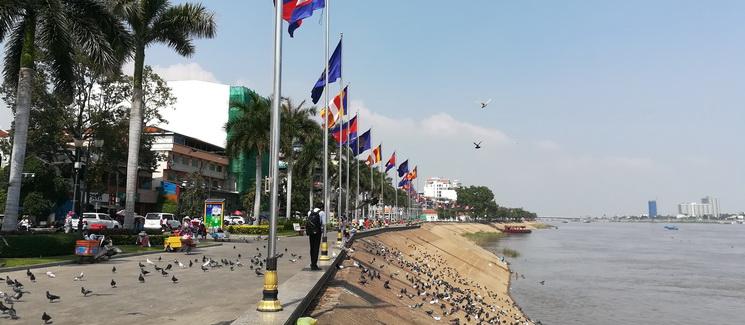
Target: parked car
91,218
234,220
155,220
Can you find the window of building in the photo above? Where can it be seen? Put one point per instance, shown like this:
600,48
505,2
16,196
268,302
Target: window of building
219,169
195,163
145,183
212,167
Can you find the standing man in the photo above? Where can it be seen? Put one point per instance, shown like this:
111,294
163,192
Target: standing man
314,228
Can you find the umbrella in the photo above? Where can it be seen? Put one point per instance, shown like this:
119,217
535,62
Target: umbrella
237,213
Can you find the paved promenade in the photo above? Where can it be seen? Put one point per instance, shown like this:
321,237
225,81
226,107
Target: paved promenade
217,296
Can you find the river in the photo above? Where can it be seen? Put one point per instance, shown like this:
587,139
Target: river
624,273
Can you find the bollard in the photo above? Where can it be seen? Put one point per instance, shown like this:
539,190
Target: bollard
269,301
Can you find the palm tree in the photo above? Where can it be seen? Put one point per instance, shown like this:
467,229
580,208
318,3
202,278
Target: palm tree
150,22
57,30
250,133
297,125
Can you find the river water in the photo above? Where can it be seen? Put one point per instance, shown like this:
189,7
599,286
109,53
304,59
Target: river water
623,273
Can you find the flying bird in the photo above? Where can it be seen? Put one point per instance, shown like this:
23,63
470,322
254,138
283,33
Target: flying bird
85,292
52,297
485,103
477,145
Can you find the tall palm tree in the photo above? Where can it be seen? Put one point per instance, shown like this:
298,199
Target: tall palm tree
297,125
250,133
58,30
150,22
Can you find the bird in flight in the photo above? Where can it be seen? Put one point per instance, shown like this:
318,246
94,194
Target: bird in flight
477,145
485,103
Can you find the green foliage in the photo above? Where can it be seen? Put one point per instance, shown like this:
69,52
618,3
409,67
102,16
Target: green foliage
193,195
478,202
39,245
169,207
248,230
34,204
510,252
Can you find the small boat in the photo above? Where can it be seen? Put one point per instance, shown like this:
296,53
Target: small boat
671,227
516,230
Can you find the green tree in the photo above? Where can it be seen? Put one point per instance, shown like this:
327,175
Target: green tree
250,133
151,22
296,126
56,29
193,195
35,205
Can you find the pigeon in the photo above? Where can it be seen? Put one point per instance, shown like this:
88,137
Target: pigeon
144,272
239,256
141,278
233,246
140,264
8,281
79,277
52,297
113,269
158,268
204,268
258,273
385,285
50,274
191,263
293,260
85,292
485,103
477,145
113,283
168,267
32,277
12,313
181,265
148,261
163,272
46,318
18,296
3,308
160,258
174,279
16,283
28,273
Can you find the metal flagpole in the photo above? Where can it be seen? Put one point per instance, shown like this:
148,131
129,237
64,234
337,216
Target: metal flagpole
324,239
382,179
341,140
346,201
269,301
372,188
357,163
395,187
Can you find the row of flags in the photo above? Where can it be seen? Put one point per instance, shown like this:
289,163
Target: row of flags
346,133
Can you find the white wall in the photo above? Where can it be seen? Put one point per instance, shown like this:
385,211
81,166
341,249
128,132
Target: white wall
201,110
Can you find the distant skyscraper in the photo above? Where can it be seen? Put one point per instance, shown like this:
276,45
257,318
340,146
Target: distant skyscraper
652,209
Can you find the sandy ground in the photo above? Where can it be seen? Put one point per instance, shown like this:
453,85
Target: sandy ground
447,279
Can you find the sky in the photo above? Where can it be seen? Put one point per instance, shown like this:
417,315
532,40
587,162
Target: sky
597,106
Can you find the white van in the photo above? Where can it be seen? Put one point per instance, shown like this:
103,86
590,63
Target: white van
154,220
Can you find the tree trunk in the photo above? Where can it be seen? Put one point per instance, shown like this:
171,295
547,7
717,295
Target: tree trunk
135,133
290,162
18,156
20,126
257,196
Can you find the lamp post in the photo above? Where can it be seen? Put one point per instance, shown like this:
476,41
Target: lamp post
75,191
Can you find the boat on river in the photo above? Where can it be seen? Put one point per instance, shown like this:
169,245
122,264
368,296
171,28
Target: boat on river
671,227
516,230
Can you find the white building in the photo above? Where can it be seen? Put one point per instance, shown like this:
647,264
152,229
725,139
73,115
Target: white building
441,189
709,207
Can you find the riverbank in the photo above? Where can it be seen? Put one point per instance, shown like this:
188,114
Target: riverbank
420,276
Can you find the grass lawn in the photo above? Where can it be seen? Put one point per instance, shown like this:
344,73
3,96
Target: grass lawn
483,237
28,261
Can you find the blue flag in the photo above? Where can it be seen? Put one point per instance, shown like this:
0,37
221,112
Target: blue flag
334,74
403,169
363,141
403,182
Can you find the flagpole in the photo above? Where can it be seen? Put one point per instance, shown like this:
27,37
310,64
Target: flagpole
324,239
269,301
395,187
357,193
341,139
382,179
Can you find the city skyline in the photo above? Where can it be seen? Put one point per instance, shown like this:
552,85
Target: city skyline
597,107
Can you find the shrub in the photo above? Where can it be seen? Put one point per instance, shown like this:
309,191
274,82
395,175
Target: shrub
249,230
42,245
510,252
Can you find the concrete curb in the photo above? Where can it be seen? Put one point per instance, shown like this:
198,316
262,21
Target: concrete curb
45,265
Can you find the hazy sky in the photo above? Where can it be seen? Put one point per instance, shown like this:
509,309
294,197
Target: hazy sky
598,106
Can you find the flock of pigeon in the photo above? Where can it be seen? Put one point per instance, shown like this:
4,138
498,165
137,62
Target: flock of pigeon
424,281
148,270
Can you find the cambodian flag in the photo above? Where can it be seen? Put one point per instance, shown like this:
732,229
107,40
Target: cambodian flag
294,11
391,162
